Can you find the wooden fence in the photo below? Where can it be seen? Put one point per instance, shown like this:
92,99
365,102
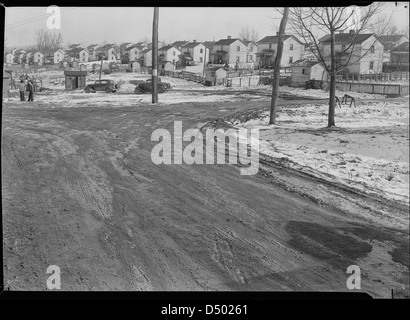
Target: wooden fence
374,88
374,77
186,75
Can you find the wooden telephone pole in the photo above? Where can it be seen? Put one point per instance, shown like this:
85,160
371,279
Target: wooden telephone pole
155,56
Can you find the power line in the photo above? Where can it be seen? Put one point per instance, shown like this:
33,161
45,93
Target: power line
34,19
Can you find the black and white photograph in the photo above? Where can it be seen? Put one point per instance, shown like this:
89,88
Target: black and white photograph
206,150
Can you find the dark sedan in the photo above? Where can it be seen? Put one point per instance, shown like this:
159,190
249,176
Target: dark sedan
101,85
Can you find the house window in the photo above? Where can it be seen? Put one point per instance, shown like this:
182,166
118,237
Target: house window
371,65
303,71
270,46
291,47
238,48
343,47
372,49
290,59
173,52
250,58
201,50
201,59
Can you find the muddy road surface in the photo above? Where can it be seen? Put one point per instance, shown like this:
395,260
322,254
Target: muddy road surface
80,191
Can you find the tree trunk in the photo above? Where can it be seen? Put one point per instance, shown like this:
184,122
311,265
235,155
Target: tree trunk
332,86
276,75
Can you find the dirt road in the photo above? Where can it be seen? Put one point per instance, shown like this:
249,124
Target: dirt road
80,191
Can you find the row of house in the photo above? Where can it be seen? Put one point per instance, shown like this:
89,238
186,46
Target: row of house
366,56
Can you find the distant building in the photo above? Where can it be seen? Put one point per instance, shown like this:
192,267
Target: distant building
168,53
251,49
79,54
38,58
75,79
399,56
58,56
91,52
267,48
146,60
179,44
215,76
390,42
133,52
9,58
196,52
364,51
108,51
229,51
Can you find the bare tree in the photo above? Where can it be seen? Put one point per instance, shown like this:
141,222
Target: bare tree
248,34
47,41
383,25
278,58
308,22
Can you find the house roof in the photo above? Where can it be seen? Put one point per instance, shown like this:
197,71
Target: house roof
404,47
106,47
390,41
347,38
180,43
274,39
191,45
166,48
145,51
247,42
208,44
134,46
92,46
226,42
74,45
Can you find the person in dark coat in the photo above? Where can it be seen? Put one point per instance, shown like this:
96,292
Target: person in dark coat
22,88
30,87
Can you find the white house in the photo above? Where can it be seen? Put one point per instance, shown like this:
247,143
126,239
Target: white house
230,51
9,58
168,53
58,56
267,48
147,57
364,51
38,58
196,51
80,54
108,51
91,52
133,52
251,49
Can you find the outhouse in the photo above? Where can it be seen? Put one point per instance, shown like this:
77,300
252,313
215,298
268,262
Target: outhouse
75,79
216,75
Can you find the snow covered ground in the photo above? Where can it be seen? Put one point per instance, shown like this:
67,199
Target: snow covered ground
369,149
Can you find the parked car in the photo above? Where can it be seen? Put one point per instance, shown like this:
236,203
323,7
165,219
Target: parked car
101,85
146,86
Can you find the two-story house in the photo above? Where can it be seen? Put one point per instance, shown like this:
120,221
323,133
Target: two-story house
146,58
9,58
390,42
168,53
196,52
91,52
363,53
108,51
79,54
58,56
229,51
251,50
38,58
399,56
133,52
267,47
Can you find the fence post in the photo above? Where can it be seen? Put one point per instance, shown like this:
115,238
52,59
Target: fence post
372,88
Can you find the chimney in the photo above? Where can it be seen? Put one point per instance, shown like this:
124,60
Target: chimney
229,37
194,40
351,32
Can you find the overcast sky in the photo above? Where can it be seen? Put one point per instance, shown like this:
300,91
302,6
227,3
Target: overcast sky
88,25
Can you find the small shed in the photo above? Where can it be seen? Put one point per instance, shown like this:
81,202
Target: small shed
306,70
165,66
75,79
134,66
83,67
216,75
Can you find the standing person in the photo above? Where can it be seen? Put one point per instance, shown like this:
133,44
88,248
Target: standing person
22,88
30,90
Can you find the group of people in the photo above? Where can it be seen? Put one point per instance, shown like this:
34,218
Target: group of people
26,85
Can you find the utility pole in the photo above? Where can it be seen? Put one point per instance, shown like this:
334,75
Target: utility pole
155,56
203,71
102,56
